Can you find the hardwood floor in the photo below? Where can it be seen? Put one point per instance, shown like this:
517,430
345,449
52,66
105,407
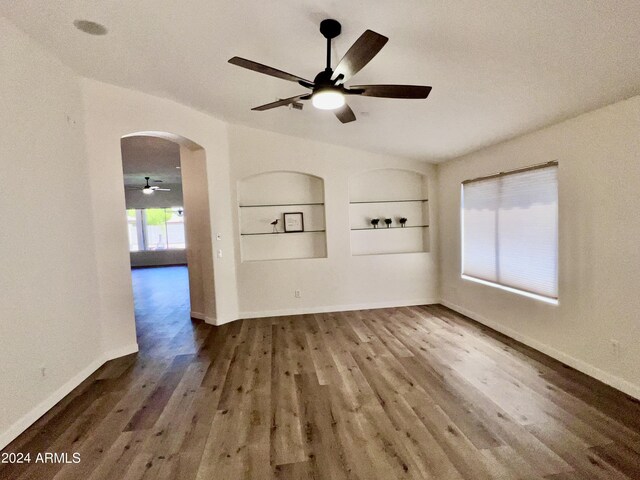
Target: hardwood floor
400,393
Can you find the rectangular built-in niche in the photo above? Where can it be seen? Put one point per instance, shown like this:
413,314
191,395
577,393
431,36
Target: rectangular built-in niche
389,194
265,198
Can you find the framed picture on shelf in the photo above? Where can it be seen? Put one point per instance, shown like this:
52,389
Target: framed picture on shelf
293,222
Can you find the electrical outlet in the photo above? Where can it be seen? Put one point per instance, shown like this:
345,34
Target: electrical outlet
297,294
615,348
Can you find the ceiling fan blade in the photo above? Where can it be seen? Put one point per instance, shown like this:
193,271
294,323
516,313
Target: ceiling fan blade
360,53
390,91
280,103
345,114
162,189
274,72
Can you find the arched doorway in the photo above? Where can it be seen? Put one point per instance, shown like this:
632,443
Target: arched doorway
169,227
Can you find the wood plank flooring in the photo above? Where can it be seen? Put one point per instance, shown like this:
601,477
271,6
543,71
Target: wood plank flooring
399,393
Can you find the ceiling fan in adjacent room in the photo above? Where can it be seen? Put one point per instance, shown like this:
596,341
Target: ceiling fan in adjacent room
149,189
328,90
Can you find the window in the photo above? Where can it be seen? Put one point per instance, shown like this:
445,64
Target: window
156,229
510,231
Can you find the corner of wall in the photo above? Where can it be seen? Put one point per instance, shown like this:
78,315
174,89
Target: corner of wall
28,419
580,365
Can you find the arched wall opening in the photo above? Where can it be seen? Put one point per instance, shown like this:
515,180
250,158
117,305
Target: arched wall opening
177,167
111,113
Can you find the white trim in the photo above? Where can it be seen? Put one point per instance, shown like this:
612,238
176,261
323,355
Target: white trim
221,321
48,403
580,365
336,308
210,320
120,352
197,315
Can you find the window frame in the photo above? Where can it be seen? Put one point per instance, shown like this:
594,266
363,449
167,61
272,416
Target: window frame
142,233
536,296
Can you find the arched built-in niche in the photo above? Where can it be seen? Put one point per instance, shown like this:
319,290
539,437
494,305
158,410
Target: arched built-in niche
389,194
267,197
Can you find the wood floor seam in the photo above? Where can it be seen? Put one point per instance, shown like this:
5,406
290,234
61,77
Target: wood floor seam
416,393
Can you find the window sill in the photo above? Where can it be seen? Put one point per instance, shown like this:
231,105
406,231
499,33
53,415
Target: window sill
535,296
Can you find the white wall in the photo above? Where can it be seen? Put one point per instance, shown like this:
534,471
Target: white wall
197,220
112,112
599,211
340,281
49,308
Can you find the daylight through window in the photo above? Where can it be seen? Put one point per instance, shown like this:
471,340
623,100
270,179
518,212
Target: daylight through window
510,231
156,229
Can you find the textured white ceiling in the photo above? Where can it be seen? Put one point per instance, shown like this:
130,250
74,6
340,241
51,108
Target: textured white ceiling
498,68
150,157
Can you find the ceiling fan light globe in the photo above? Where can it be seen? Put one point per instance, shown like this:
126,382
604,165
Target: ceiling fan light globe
327,100
147,190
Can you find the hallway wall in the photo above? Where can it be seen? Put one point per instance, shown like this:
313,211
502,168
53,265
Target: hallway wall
197,224
49,299
112,112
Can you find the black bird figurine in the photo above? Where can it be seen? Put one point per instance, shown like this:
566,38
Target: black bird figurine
403,221
275,225
388,222
374,222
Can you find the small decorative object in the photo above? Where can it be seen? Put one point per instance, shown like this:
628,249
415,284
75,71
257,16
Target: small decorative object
403,221
293,222
275,225
388,222
375,222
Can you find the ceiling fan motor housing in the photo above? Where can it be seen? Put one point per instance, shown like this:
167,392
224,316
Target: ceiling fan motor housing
330,28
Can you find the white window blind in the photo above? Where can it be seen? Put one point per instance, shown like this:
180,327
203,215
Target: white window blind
510,230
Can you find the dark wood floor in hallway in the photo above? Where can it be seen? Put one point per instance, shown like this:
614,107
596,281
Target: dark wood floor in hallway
398,393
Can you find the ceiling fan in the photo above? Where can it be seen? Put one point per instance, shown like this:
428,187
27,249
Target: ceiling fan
149,189
328,88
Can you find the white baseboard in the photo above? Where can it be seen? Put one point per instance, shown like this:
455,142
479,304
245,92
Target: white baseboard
580,365
221,321
337,308
48,403
197,315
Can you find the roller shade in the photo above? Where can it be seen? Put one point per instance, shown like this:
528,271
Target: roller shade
510,230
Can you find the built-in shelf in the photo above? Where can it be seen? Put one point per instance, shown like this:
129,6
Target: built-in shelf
282,233
281,205
389,228
265,199
392,201
389,194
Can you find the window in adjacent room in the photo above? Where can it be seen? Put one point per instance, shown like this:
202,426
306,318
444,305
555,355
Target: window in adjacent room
510,231
156,229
